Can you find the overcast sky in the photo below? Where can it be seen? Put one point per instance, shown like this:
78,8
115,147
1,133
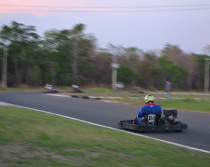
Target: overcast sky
145,24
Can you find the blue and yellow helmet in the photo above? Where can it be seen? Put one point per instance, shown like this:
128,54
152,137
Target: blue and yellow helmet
149,98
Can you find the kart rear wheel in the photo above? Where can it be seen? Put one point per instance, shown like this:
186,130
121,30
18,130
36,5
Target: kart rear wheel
178,123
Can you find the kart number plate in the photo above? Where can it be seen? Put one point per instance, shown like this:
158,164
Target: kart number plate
151,118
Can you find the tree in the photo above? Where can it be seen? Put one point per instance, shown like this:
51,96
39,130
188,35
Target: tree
76,34
199,76
126,75
70,53
149,71
58,56
187,61
207,50
102,68
70,56
22,42
176,73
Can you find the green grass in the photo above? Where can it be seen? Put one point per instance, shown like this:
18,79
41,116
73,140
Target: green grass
187,104
99,90
180,101
29,138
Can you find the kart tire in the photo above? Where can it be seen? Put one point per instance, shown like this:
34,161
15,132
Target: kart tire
178,123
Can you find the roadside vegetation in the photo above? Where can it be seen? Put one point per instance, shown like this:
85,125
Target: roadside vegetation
187,104
190,101
29,138
71,56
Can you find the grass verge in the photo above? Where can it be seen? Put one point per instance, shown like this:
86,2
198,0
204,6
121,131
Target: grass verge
29,138
188,104
98,90
179,100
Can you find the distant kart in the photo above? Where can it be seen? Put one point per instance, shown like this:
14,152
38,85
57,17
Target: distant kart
50,89
154,123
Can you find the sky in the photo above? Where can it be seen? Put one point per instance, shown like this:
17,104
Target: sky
146,24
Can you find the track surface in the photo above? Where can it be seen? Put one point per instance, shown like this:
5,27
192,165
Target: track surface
108,114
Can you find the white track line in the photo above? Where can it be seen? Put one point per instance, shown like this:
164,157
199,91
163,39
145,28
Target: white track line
107,127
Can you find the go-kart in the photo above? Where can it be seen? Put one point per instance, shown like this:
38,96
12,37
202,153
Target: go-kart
50,89
154,123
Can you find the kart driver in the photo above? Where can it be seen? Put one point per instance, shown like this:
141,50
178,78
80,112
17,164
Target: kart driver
148,108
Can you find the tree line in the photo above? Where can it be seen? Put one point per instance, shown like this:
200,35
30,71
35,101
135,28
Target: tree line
69,56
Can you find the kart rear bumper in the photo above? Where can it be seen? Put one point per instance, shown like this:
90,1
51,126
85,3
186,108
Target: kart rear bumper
143,127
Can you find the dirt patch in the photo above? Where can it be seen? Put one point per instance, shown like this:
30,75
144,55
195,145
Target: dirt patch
91,154
14,153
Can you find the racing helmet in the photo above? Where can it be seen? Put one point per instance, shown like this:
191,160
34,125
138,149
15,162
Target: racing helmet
149,98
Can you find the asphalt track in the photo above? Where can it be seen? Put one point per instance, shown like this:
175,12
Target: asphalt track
108,114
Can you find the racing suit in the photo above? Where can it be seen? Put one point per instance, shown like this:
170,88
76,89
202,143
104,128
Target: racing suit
149,108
